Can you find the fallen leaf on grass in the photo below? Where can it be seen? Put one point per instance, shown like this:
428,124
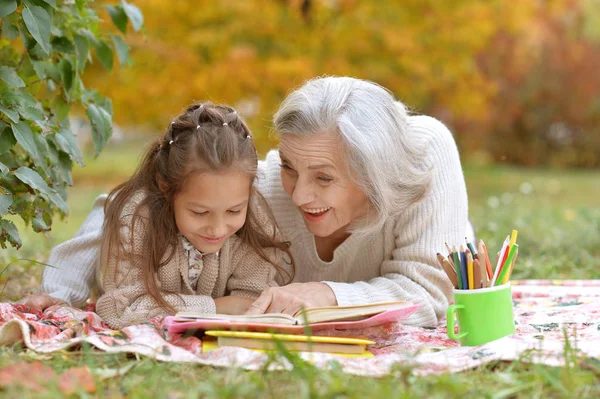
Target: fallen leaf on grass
104,374
27,375
76,379
37,377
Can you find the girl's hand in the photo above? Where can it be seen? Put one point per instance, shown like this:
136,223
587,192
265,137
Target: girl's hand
232,304
293,297
42,302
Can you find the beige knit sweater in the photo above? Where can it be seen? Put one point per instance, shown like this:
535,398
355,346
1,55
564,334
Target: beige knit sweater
397,263
236,270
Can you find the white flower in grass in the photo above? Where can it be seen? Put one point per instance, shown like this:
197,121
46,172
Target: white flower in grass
526,188
506,198
493,202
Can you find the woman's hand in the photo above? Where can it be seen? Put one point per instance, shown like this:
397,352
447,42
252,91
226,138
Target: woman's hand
42,302
293,297
232,304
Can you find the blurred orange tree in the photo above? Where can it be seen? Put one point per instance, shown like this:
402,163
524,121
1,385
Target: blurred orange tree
513,79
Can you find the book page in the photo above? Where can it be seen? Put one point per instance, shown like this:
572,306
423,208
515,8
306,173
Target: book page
275,318
339,313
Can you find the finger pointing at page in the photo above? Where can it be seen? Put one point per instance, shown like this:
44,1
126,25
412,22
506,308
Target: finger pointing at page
262,303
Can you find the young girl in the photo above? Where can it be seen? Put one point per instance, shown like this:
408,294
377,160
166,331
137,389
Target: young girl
188,231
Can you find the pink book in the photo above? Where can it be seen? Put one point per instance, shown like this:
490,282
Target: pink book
337,317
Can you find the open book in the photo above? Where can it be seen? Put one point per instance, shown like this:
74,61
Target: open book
358,316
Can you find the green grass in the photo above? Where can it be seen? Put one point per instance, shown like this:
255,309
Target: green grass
557,214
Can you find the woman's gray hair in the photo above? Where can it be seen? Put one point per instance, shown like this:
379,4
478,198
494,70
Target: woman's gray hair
386,163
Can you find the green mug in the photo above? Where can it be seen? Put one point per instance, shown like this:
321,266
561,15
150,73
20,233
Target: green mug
484,315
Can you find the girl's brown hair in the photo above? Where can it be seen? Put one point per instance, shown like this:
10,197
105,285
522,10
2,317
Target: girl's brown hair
204,137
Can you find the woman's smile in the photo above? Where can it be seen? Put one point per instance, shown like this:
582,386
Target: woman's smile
315,215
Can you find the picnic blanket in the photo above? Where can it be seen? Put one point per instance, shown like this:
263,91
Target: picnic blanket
547,313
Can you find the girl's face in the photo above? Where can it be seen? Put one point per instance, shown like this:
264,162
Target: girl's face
211,207
314,173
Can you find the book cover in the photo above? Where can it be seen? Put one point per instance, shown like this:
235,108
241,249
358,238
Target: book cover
269,342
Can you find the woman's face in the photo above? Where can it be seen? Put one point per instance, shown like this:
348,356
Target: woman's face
315,174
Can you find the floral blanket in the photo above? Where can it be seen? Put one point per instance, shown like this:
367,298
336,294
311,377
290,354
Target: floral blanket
546,314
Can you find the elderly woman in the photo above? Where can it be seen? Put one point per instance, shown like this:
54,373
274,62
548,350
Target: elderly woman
366,194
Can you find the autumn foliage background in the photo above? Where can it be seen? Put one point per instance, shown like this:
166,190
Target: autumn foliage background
516,81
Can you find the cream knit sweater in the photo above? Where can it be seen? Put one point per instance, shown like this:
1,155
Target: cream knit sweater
397,263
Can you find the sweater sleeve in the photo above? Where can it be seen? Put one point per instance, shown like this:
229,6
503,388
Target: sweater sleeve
72,264
125,300
413,272
251,273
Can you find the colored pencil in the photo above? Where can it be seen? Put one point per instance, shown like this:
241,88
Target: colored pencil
488,265
478,272
470,246
463,268
513,238
470,271
457,267
450,272
509,259
501,257
512,265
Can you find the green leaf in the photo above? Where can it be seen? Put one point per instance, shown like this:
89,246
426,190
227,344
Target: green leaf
101,122
65,165
60,108
121,47
24,137
67,73
88,34
10,76
17,97
82,47
40,68
31,114
9,30
7,139
6,201
118,16
53,71
3,169
7,7
134,14
51,2
11,113
38,224
105,54
8,231
38,23
62,45
35,181
66,141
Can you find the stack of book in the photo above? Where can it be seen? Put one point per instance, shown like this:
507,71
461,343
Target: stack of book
273,331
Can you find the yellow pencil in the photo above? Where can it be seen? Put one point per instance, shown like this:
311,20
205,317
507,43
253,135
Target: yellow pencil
470,269
513,238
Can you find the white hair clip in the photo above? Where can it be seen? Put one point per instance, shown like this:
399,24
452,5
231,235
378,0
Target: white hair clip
225,124
170,142
198,127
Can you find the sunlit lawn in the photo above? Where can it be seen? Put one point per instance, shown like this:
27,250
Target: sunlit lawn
556,212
